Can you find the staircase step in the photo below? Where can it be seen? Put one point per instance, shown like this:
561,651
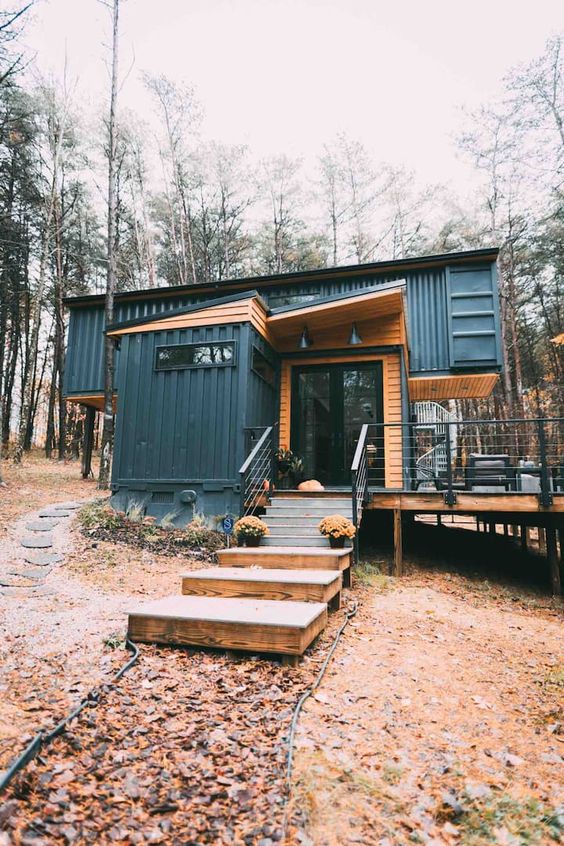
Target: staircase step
287,528
257,583
290,520
292,538
287,558
254,625
326,502
302,511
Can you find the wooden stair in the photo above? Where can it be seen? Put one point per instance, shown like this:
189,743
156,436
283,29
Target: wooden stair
270,599
253,583
288,558
256,625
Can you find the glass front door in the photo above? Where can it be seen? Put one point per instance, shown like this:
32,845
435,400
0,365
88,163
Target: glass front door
330,403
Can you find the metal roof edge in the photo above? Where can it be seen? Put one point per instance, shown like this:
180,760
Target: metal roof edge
439,259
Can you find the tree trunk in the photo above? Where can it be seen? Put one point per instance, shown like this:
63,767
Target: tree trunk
109,350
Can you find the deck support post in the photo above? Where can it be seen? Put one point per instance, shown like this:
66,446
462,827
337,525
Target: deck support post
88,442
542,540
398,544
554,564
524,538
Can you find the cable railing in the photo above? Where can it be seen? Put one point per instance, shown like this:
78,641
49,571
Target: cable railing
257,473
517,456
359,474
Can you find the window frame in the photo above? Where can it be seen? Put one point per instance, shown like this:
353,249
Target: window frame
272,384
196,365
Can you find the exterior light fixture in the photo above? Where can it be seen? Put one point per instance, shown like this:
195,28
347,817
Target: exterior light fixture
305,340
354,337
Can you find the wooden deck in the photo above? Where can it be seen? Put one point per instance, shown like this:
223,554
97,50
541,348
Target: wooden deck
254,625
466,502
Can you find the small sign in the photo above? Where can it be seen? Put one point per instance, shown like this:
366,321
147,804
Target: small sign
228,523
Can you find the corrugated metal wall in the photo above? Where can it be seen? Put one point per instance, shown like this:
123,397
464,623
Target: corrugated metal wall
427,311
183,425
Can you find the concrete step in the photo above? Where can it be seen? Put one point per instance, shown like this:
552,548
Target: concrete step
253,625
329,502
294,519
305,511
287,528
265,583
293,539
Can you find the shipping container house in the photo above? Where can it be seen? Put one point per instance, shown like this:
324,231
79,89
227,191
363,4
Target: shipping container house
202,370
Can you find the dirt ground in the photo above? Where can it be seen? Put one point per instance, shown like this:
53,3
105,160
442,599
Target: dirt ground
439,720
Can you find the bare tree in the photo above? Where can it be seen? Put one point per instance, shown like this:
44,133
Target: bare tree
180,113
282,187
111,279
57,122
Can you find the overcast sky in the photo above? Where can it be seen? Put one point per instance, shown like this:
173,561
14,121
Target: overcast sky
286,75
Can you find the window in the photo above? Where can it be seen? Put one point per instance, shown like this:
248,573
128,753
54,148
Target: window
216,354
278,300
263,368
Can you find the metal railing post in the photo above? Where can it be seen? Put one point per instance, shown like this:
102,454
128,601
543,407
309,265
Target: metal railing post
354,492
450,496
243,483
545,496
273,463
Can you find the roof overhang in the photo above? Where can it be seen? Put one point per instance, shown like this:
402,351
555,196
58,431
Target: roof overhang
330,320
456,386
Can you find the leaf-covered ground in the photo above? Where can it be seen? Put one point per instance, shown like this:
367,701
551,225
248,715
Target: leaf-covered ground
439,720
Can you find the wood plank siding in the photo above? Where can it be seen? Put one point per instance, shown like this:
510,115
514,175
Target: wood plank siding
467,386
391,368
241,311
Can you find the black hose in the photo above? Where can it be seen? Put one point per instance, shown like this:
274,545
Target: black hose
44,738
301,701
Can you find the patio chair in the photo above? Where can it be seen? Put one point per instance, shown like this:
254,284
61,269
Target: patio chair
490,471
558,478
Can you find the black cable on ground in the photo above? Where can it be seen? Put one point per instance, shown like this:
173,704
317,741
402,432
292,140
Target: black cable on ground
301,701
44,738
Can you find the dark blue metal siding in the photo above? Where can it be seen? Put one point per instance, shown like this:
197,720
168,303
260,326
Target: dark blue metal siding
427,325
85,350
185,425
431,339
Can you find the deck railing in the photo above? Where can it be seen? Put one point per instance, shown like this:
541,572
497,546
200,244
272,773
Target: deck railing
359,479
513,456
258,472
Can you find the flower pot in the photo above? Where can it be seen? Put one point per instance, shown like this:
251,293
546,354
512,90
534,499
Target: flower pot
336,543
252,541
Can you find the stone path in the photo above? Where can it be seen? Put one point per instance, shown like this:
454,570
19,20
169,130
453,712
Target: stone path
36,550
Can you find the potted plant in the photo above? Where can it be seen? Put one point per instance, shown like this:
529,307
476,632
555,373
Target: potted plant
296,470
284,459
337,528
250,530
